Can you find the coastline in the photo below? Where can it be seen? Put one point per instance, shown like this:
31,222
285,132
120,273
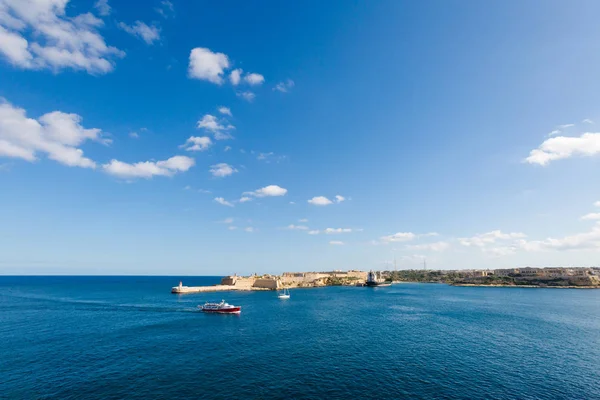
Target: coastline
523,286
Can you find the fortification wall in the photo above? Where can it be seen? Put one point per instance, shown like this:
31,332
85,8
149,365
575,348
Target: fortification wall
266,283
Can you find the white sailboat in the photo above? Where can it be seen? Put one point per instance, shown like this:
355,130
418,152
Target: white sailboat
285,294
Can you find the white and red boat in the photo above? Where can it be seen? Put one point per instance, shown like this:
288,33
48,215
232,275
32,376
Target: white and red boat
220,308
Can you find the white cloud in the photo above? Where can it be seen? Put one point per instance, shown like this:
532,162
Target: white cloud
565,126
247,95
208,66
227,148
232,228
56,134
339,199
204,191
292,202
148,34
219,128
336,242
314,232
148,169
597,204
332,231
222,201
268,191
254,79
485,239
398,237
284,87
227,221
102,7
222,169
591,216
437,246
39,35
166,9
134,135
293,227
561,147
235,76
244,199
225,111
587,121
581,241
188,187
320,201
554,132
197,143
249,229
304,220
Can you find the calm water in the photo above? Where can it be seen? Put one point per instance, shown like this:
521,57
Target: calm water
128,337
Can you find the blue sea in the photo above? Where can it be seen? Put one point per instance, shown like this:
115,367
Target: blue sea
128,337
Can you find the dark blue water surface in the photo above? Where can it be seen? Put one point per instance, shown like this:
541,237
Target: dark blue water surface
128,337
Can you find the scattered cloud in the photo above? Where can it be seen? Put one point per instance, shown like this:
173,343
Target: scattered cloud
485,239
148,34
222,201
437,246
219,128
245,199
204,191
333,231
166,9
235,77
56,134
293,227
597,204
336,243
222,170
232,228
313,232
270,157
196,143
102,7
304,220
227,148
268,191
339,199
208,66
587,121
134,135
188,187
40,35
225,111
398,237
254,79
554,132
565,126
249,229
247,95
320,201
226,221
284,87
561,147
591,216
148,169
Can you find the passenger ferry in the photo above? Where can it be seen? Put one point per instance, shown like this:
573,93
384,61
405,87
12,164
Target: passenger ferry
220,308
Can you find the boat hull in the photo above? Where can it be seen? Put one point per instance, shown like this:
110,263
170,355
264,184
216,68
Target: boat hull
233,310
377,284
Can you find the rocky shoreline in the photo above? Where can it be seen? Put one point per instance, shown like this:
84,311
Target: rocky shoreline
524,286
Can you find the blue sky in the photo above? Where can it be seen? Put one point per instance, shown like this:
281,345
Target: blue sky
212,137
